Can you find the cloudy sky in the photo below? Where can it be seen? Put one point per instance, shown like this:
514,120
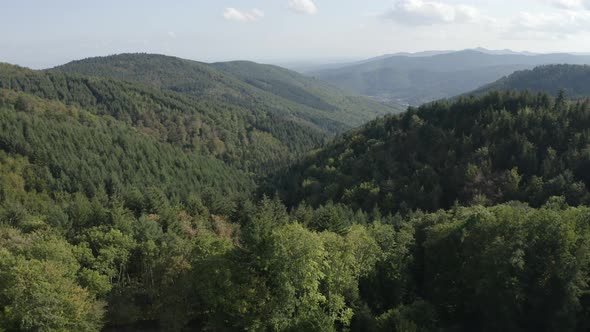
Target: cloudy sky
42,33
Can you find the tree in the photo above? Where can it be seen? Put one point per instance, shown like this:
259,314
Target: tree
38,286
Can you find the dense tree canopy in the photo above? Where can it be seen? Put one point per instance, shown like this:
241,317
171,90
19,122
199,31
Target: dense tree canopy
252,139
73,150
574,80
248,84
488,150
456,216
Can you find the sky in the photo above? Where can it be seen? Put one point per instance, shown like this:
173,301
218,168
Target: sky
43,33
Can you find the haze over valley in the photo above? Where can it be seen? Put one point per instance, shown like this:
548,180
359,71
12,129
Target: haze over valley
415,79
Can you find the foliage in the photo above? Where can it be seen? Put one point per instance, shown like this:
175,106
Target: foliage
253,138
571,79
488,150
106,224
72,150
38,288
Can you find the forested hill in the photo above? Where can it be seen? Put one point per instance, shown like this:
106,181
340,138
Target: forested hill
63,148
255,134
245,84
307,91
475,150
574,80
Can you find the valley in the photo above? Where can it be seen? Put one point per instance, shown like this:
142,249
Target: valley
414,80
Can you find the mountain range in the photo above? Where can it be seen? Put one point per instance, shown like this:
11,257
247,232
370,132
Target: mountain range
419,78
247,115
274,88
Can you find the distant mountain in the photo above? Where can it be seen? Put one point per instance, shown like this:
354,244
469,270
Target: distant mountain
246,84
310,67
477,49
502,52
418,79
408,54
351,110
573,79
306,66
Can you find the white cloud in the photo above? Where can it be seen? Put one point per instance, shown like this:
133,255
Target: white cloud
425,12
172,34
233,14
559,23
544,21
303,6
571,4
567,19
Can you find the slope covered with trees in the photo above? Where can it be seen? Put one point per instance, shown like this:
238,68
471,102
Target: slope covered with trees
252,139
141,261
490,149
247,84
308,91
74,150
573,80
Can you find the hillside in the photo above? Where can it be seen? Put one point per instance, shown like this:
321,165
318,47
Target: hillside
228,128
70,149
307,91
250,85
124,206
484,150
416,80
574,80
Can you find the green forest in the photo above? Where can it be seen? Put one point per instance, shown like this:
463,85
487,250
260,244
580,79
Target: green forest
496,148
234,197
574,80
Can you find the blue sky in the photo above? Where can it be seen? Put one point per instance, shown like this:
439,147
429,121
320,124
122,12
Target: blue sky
42,33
